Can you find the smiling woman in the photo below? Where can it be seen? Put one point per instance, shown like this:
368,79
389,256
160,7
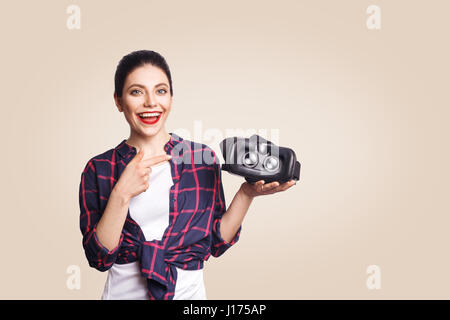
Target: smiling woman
151,221
132,196
143,92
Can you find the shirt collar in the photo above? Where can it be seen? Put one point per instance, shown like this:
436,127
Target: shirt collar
124,149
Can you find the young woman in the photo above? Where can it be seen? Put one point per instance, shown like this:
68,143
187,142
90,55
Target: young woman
151,212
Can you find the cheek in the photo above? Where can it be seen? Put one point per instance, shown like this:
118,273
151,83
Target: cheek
168,109
129,113
167,104
167,113
131,102
130,106
129,117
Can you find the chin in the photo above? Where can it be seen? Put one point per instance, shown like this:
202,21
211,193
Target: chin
152,131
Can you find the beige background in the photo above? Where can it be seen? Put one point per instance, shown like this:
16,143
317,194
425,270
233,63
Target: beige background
366,111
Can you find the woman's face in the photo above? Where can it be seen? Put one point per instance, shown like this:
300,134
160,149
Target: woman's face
145,95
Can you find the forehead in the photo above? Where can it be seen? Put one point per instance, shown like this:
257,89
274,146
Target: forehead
148,75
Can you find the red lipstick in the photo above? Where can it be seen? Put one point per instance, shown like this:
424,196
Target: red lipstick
151,120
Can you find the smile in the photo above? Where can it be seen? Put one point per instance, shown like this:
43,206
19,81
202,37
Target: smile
149,117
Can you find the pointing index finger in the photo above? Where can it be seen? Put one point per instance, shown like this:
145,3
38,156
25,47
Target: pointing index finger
156,160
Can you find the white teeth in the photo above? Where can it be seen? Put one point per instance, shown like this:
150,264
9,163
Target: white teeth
149,114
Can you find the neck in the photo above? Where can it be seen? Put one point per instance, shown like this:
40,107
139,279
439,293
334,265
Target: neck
153,145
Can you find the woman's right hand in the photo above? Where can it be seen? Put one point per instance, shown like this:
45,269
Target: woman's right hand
135,178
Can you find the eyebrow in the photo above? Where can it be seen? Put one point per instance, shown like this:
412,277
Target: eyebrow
142,86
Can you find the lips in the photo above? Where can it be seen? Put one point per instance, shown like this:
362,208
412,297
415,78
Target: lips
149,120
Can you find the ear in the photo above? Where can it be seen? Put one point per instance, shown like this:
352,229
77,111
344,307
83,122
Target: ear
117,101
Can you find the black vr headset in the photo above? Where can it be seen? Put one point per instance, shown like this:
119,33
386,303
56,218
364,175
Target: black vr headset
256,158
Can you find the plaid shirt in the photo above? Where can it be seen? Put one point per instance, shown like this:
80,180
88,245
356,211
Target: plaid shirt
196,206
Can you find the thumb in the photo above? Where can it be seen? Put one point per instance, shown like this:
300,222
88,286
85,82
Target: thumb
138,157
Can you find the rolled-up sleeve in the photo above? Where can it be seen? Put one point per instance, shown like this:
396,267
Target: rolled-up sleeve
98,256
219,245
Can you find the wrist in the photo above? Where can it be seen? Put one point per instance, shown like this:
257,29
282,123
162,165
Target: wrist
121,197
243,194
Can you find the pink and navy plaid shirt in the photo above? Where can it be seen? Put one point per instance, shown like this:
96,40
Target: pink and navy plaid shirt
196,206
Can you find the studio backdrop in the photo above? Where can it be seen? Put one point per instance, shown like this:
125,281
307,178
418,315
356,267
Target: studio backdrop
359,89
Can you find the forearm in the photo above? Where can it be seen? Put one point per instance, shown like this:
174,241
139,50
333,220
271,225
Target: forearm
233,217
110,225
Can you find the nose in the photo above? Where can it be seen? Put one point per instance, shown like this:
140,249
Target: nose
150,100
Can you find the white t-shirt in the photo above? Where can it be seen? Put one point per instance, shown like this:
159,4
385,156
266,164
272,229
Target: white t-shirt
150,210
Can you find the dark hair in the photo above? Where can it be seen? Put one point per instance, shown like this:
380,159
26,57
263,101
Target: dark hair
136,59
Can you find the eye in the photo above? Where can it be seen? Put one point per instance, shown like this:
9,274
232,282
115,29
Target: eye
132,92
164,91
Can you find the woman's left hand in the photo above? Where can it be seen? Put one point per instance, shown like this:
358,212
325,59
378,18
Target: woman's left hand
261,188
